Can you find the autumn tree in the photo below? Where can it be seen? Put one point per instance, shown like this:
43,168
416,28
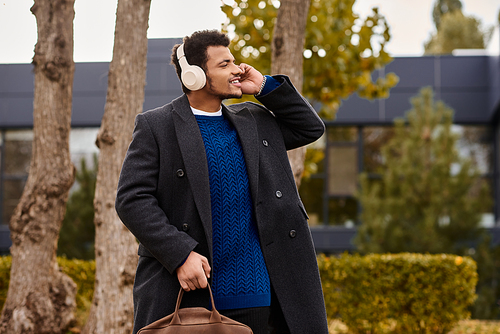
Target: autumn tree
340,50
429,197
41,299
442,7
115,247
455,30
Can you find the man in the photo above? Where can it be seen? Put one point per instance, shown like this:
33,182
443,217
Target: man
208,191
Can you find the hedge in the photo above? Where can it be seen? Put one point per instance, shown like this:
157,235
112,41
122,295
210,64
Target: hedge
398,293
391,293
81,272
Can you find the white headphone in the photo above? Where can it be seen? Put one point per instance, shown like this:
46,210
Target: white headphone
192,76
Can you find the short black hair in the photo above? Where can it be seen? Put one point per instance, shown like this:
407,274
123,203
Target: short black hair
195,49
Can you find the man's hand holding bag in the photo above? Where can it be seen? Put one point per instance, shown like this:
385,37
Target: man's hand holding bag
195,320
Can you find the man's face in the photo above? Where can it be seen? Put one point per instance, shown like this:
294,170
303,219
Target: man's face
223,75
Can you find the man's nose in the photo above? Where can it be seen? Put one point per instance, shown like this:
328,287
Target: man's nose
237,69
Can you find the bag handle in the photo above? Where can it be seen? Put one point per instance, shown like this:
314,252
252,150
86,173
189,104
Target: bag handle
214,317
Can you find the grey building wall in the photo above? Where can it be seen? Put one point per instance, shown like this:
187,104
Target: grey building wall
468,84
89,88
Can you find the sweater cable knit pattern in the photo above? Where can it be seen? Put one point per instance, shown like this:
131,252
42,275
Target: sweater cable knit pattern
240,277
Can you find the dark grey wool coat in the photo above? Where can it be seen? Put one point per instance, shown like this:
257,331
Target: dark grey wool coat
164,200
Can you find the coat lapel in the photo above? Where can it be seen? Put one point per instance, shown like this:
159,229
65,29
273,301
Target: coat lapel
195,160
246,127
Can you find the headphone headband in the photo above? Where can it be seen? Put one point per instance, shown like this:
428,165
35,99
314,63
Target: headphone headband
180,52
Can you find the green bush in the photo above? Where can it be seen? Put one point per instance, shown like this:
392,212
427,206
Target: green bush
5,264
399,293
410,293
82,272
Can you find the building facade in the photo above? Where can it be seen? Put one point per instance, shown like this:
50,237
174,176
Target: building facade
470,85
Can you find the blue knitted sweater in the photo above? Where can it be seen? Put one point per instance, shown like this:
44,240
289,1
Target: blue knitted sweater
239,274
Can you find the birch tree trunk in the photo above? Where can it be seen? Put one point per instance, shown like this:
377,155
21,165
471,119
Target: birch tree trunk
115,247
41,299
287,48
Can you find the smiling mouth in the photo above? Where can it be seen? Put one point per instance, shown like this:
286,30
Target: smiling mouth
234,81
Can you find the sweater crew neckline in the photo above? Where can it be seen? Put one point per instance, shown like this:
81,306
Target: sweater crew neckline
198,112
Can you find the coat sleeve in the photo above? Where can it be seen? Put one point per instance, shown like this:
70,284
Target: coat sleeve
137,204
299,123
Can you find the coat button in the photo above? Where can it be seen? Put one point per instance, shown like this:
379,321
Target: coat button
279,194
293,233
265,143
180,173
185,227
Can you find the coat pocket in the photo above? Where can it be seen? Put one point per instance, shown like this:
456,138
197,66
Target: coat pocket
303,209
142,251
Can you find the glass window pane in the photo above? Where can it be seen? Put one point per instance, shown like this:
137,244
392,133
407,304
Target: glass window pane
374,138
342,211
12,191
342,170
18,152
342,134
311,192
82,145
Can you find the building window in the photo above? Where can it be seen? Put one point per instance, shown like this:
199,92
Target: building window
329,194
374,138
342,170
15,159
350,150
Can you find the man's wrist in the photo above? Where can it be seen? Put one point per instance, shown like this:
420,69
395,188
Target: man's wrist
261,85
268,85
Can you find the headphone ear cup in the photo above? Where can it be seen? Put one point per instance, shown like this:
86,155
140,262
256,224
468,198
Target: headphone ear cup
193,77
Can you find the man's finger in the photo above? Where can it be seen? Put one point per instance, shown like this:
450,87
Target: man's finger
185,287
206,268
191,285
203,282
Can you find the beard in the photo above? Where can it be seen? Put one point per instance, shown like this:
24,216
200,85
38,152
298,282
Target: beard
220,94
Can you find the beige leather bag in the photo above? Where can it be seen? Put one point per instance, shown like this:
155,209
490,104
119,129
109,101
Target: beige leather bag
195,320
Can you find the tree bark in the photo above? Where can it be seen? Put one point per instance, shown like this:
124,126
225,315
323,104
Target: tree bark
41,299
287,48
115,247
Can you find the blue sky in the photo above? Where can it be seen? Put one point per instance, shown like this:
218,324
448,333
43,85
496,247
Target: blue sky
410,21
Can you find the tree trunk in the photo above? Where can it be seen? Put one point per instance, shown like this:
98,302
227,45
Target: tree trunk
115,247
287,49
40,298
